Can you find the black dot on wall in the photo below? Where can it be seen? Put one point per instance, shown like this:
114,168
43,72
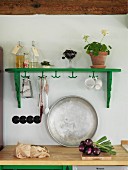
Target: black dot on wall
16,119
37,119
30,119
23,119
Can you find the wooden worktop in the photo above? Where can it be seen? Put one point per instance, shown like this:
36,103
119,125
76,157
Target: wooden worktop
61,156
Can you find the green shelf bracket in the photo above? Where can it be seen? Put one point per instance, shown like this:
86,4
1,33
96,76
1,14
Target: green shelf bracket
67,167
17,87
109,88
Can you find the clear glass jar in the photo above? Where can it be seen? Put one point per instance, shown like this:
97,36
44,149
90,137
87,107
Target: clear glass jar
33,63
34,57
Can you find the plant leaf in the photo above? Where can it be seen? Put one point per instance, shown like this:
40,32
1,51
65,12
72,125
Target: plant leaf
101,139
110,47
86,46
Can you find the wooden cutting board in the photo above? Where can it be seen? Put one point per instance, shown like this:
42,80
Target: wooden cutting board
102,156
124,144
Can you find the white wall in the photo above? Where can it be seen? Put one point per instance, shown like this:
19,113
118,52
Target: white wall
55,34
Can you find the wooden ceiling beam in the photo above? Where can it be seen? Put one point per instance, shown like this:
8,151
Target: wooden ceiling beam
63,7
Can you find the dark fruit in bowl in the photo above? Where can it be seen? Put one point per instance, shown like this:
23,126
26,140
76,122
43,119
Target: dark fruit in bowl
96,151
81,148
89,150
88,142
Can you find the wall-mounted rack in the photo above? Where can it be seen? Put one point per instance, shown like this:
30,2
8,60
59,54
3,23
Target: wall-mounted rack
17,72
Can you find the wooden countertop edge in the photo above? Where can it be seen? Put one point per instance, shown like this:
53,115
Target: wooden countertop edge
84,163
120,160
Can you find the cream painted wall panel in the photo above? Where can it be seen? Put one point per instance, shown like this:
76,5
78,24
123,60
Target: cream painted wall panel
53,35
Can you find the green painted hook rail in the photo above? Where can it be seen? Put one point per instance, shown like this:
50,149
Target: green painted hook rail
17,72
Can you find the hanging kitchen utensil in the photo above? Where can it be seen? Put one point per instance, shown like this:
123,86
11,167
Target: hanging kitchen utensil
46,89
41,98
27,88
71,120
39,91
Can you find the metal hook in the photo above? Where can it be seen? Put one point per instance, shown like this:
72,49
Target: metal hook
43,76
93,75
72,75
56,75
25,75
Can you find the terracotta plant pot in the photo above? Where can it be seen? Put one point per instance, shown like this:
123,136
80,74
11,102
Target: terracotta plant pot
99,61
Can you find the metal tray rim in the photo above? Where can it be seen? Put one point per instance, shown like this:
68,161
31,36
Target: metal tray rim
71,96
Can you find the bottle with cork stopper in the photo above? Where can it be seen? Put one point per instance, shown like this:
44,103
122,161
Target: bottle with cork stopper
34,57
19,51
20,56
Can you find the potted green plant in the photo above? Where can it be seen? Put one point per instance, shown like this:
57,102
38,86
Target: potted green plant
97,50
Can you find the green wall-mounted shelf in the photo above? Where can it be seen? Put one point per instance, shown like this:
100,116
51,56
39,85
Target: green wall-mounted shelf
17,72
62,70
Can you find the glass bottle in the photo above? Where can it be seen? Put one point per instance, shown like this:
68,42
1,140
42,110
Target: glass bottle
34,57
26,60
19,57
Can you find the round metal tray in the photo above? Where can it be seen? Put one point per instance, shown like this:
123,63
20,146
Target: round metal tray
71,120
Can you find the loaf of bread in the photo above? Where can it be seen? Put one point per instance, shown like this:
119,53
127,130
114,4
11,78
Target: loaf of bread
30,151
